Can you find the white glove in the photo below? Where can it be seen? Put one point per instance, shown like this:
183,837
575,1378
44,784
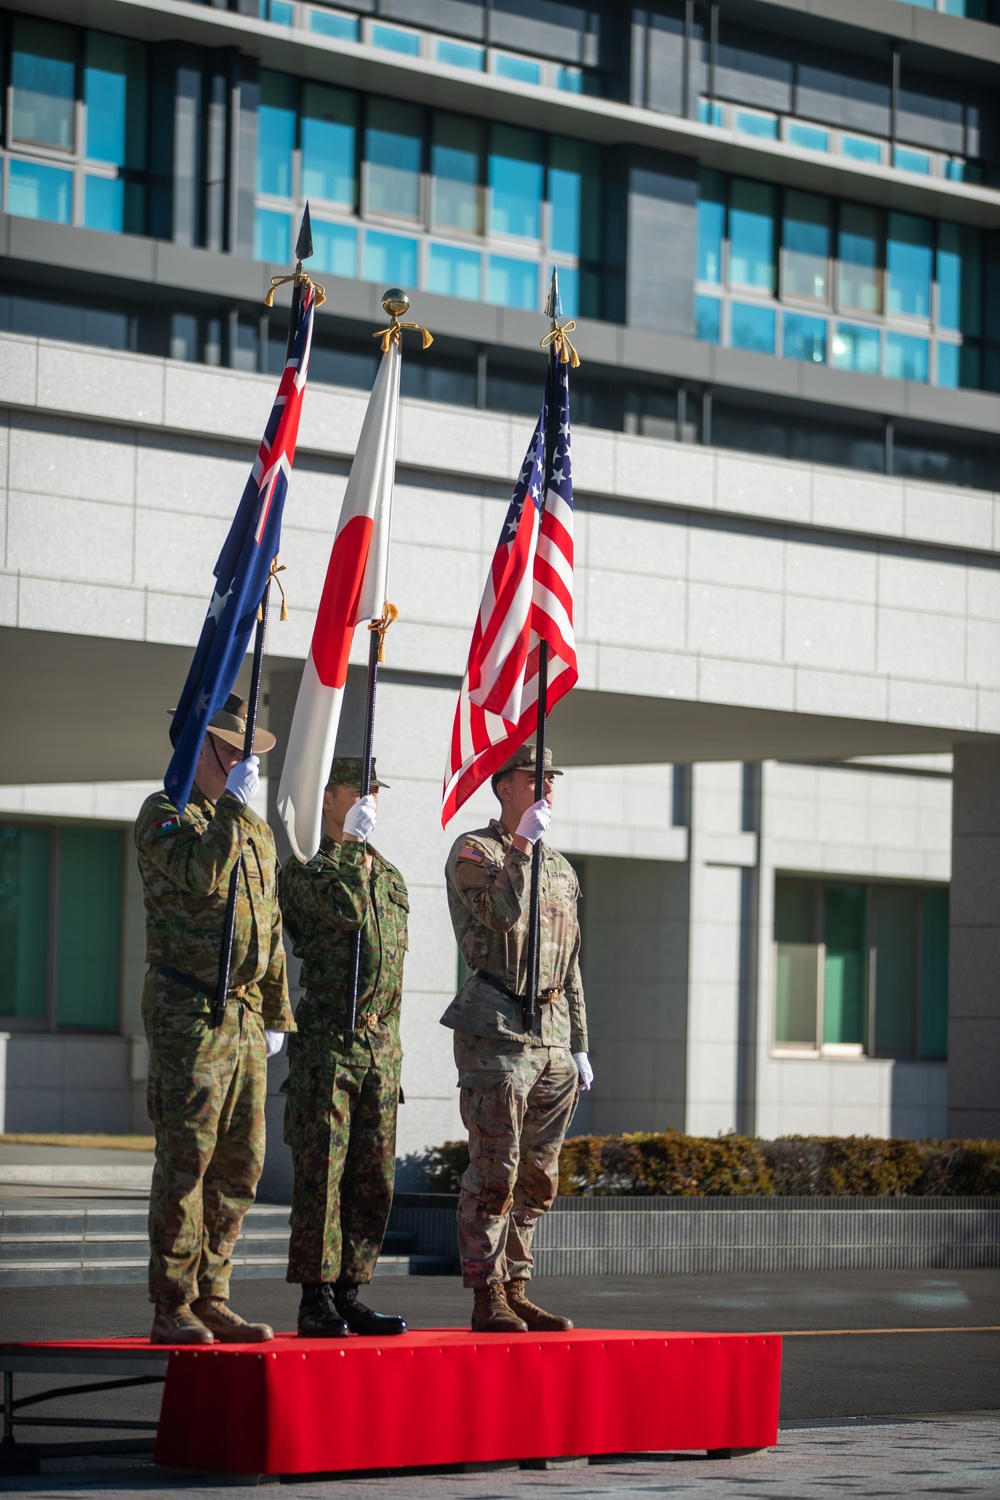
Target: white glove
243,780
273,1042
360,819
535,822
584,1069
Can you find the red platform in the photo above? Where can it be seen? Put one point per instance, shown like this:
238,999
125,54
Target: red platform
447,1396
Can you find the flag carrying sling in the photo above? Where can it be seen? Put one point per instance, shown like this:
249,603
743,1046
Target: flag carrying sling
243,568
528,599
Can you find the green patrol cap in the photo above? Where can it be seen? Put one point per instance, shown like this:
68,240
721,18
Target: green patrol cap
524,760
346,771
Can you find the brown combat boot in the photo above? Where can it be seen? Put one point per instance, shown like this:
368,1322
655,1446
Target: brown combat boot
491,1314
227,1326
536,1318
175,1323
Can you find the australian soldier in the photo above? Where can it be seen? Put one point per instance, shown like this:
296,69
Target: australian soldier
343,1088
518,1089
207,1084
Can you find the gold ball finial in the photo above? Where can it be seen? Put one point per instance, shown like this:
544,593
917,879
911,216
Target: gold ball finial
395,302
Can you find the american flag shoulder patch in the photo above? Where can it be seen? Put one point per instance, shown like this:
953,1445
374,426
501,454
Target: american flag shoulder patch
166,825
469,851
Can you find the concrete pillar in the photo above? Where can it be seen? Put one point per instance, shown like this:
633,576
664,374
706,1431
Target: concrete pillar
974,965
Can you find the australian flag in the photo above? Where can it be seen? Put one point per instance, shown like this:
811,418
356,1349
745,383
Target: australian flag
243,568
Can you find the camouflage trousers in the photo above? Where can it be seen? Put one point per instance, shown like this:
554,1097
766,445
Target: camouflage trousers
340,1122
517,1103
206,1100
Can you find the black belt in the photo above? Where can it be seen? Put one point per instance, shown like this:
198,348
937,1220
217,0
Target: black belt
371,1021
542,998
190,983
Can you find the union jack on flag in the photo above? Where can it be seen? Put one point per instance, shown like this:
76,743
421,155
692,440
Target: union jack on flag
528,599
243,568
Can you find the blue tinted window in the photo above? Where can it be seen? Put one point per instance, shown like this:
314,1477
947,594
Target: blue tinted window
709,114
908,263
947,365
275,134
517,68
328,144
390,259
751,234
278,12
911,161
711,225
393,148
752,328
454,272
344,28
905,357
855,347
760,125
512,283
859,149
569,80
272,236
706,319
392,40
575,198
958,276
859,253
516,178
806,245
804,338
458,56
104,204
39,192
958,366
456,168
24,919
335,247
43,70
809,137
114,93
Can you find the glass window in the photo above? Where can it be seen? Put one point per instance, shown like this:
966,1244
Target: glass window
456,55
275,134
905,357
845,965
24,921
390,259
751,234
711,225
512,283
325,23
706,319
934,975
454,272
911,161
335,247
856,348
392,40
796,935
962,171
40,192
104,204
393,146
575,198
516,178
115,95
896,921
89,921
709,113
858,149
958,277
519,69
278,12
456,168
909,265
804,338
958,366
751,328
329,139
43,75
806,245
809,137
569,80
859,251
272,236
764,126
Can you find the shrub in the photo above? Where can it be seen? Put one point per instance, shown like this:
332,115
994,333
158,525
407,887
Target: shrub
445,1165
670,1165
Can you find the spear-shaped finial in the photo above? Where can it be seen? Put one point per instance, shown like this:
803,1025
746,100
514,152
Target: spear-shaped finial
557,340
553,305
304,243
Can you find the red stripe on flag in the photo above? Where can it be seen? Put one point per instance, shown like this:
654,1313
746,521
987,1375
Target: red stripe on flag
338,606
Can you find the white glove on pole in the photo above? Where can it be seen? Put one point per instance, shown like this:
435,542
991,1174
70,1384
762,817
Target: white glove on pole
273,1042
534,822
360,819
584,1069
243,781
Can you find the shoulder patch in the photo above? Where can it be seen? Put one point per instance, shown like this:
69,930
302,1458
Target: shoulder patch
469,851
166,825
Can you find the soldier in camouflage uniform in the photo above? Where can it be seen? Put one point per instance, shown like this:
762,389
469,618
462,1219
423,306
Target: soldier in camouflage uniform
342,1090
207,1084
518,1090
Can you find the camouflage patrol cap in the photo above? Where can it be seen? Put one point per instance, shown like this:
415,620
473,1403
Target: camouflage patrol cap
524,760
230,724
346,771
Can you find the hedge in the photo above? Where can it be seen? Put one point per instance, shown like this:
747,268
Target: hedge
672,1165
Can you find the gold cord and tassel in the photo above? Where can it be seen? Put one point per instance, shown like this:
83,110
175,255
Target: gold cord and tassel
560,340
276,568
394,334
301,279
389,616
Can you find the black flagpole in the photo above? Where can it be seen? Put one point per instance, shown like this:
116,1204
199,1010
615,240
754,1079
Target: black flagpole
303,250
553,309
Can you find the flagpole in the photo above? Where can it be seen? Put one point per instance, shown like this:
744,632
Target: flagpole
303,250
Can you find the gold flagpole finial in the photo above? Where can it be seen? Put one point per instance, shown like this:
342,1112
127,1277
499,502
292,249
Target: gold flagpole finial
394,304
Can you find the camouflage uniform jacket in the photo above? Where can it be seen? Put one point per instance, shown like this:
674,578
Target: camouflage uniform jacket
489,884
326,900
185,862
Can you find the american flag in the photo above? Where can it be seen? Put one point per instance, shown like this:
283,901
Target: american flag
243,567
528,599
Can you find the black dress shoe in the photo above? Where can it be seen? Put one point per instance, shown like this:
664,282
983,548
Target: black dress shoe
318,1315
361,1319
